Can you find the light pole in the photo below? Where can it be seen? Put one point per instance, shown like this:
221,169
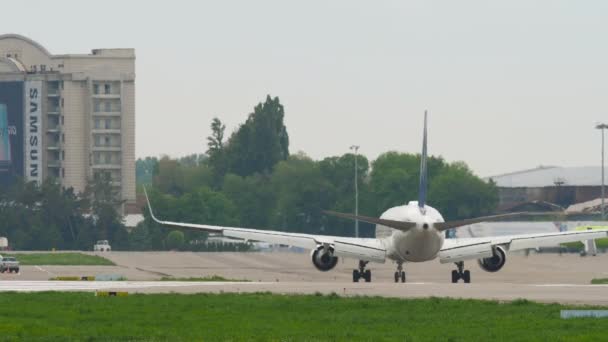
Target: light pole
356,149
602,127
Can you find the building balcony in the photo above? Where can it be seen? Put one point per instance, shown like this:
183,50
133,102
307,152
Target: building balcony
54,164
112,166
54,129
106,130
115,183
106,148
106,114
53,147
106,96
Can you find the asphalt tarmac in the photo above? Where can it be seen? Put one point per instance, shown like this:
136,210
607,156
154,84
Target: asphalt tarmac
538,277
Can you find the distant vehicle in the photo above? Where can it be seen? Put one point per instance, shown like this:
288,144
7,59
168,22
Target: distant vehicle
9,264
102,246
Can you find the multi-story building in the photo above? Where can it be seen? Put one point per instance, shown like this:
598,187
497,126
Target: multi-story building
70,116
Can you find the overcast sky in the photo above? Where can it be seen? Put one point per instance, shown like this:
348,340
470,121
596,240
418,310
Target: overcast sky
509,85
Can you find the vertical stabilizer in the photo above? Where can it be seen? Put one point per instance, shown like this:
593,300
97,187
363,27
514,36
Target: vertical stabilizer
423,172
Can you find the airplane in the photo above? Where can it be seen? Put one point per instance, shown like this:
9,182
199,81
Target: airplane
413,232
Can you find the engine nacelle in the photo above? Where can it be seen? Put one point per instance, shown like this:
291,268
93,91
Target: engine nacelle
324,260
495,262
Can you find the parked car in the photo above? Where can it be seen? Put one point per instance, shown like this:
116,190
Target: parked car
9,264
102,246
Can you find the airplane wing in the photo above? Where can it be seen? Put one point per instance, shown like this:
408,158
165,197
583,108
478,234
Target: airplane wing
455,250
357,248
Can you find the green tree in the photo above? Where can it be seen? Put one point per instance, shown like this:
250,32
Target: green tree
175,240
395,179
302,194
253,197
340,172
458,194
261,142
145,170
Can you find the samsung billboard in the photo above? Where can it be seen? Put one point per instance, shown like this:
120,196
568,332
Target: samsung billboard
11,131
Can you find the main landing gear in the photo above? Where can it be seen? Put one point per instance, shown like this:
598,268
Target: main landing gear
362,272
400,274
465,275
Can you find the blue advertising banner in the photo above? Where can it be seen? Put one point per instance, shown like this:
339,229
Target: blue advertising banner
11,132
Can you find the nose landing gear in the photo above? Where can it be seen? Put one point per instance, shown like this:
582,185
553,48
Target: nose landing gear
400,274
461,273
362,273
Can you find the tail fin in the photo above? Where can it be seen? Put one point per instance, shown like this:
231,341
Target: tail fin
423,172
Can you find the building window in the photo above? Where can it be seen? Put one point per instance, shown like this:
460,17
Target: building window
63,138
62,102
108,123
108,106
97,123
107,140
107,89
62,120
97,106
95,89
42,68
62,173
62,155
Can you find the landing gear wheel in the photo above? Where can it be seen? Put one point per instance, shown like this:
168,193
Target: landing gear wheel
367,276
466,276
455,276
400,274
461,273
362,272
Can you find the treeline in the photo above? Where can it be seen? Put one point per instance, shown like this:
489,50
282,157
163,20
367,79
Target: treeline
48,216
248,179
251,180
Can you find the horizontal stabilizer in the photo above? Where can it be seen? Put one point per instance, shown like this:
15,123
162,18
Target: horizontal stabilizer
455,224
399,225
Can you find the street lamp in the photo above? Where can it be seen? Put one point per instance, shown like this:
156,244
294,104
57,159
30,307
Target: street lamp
602,127
356,149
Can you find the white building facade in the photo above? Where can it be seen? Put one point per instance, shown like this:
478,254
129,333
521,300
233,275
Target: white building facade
69,117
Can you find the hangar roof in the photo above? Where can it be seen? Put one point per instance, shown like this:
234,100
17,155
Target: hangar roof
547,176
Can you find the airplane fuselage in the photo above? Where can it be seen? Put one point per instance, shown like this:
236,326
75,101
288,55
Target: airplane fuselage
421,243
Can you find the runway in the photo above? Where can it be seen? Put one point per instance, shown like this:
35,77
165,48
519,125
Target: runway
544,277
547,293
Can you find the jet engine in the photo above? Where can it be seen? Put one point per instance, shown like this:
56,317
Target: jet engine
324,259
495,262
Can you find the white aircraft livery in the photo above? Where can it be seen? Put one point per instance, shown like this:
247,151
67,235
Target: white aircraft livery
409,233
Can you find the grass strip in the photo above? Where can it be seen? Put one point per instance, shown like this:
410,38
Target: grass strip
65,259
209,278
268,317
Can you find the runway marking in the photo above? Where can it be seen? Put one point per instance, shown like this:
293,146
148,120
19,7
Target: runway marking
45,285
43,270
570,285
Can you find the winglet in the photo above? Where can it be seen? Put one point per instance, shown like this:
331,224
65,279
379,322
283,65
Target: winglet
423,171
150,206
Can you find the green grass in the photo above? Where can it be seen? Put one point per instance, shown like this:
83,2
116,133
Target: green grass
211,278
599,281
66,259
266,317
599,243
